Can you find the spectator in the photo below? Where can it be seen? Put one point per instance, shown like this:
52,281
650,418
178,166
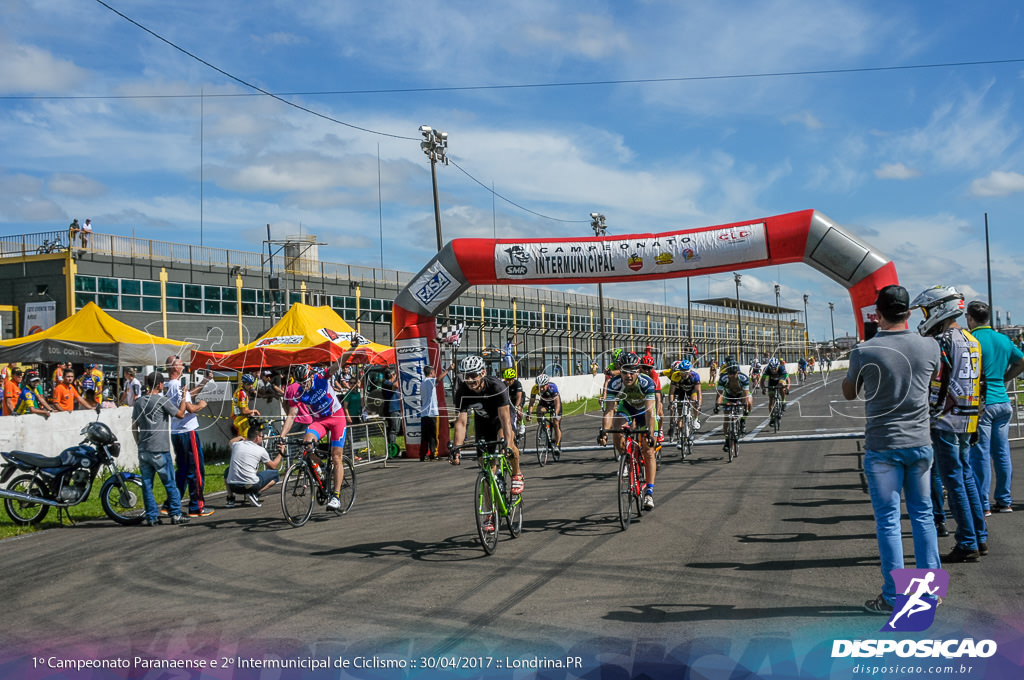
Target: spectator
895,368
269,386
73,230
429,413
58,373
41,394
151,415
391,410
508,356
28,399
241,405
955,402
353,399
65,394
132,389
243,475
188,447
12,390
1001,361
92,380
86,232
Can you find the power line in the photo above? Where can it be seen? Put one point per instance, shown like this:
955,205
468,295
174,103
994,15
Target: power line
248,84
510,86
509,200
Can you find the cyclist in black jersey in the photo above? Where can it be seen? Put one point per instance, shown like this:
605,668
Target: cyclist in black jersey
487,397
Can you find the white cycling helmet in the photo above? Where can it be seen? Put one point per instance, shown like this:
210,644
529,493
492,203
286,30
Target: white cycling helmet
773,363
542,379
471,365
939,304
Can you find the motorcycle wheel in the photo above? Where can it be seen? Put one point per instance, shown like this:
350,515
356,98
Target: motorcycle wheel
24,512
122,500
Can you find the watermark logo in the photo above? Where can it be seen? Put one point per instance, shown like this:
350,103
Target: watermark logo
922,590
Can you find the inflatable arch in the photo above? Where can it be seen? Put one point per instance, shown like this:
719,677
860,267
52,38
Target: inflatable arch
805,236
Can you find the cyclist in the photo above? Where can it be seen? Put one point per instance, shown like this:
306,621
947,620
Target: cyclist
734,385
545,393
611,371
328,415
686,386
631,402
241,402
487,397
802,368
755,371
516,396
776,377
647,366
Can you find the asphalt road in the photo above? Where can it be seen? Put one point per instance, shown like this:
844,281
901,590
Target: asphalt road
758,564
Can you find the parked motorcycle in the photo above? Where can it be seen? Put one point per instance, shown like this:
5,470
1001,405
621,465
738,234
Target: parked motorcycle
65,480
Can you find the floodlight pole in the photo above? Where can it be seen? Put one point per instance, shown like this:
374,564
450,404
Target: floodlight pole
435,145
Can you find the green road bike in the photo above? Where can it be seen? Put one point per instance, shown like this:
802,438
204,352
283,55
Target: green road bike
493,499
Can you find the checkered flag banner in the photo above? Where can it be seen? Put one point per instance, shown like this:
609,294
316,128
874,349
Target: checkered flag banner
451,334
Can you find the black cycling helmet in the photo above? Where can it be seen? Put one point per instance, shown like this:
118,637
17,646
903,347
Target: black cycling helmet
629,362
732,367
301,372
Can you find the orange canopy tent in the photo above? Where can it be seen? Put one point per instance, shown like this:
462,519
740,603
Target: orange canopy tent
304,335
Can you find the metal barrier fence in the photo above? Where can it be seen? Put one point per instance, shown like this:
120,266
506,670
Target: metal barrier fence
1016,419
366,443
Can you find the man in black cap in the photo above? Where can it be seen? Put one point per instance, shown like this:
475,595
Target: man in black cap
895,368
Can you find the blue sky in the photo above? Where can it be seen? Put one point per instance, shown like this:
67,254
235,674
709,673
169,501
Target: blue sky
909,159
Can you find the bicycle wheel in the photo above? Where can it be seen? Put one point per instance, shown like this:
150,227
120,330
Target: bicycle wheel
734,437
543,443
625,489
486,513
514,503
776,416
639,483
347,495
686,434
297,493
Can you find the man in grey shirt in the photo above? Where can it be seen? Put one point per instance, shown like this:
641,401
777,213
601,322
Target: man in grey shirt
895,368
151,426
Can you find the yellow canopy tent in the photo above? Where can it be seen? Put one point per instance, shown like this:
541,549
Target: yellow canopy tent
304,335
93,336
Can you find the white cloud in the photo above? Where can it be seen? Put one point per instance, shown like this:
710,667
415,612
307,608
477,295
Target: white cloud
998,183
30,69
70,184
805,118
964,132
896,171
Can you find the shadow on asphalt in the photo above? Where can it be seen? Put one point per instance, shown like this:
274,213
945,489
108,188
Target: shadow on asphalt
798,538
684,612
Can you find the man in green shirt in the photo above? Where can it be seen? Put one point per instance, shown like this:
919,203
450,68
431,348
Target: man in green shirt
1001,361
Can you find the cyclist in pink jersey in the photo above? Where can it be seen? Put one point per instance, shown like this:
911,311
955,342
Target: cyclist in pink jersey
328,419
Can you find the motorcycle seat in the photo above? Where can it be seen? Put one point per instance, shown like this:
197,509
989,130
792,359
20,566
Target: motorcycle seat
37,460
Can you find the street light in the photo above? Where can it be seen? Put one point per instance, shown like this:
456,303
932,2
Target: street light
778,324
806,336
435,145
831,318
599,227
739,327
